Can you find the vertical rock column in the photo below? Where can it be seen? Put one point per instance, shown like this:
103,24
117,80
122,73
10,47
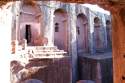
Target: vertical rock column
48,19
73,41
17,13
91,32
15,31
5,41
104,31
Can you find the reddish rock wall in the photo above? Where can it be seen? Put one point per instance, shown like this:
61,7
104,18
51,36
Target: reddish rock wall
54,70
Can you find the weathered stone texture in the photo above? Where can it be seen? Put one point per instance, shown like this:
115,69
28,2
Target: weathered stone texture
97,68
48,70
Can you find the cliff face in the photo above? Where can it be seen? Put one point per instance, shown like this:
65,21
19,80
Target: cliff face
118,43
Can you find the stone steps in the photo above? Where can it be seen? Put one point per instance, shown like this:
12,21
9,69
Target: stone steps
41,52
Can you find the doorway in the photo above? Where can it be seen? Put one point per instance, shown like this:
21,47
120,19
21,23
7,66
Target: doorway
28,34
31,25
109,34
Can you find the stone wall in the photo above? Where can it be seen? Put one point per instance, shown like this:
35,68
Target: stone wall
48,70
97,68
72,9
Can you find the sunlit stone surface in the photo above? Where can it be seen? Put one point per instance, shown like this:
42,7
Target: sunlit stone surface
56,37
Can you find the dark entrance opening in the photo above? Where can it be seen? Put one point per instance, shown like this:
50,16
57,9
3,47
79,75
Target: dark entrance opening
28,33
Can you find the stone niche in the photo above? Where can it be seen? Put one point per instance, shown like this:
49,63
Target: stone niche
30,24
82,33
61,29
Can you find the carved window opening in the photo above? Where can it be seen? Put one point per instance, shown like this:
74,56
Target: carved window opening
56,27
78,30
28,33
97,22
108,24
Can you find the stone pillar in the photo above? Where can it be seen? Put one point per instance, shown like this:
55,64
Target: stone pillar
15,25
73,41
17,13
118,43
104,31
49,23
13,30
91,32
24,45
14,46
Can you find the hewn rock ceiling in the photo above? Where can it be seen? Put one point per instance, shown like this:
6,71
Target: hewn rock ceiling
101,2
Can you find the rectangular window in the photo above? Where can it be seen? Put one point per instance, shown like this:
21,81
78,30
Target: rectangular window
56,29
78,31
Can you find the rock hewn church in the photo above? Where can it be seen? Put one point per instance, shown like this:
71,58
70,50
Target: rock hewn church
59,42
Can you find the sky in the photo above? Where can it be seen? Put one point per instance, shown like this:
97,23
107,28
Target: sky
96,8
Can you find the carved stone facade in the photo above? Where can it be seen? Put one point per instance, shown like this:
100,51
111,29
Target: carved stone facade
116,7
71,27
53,21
